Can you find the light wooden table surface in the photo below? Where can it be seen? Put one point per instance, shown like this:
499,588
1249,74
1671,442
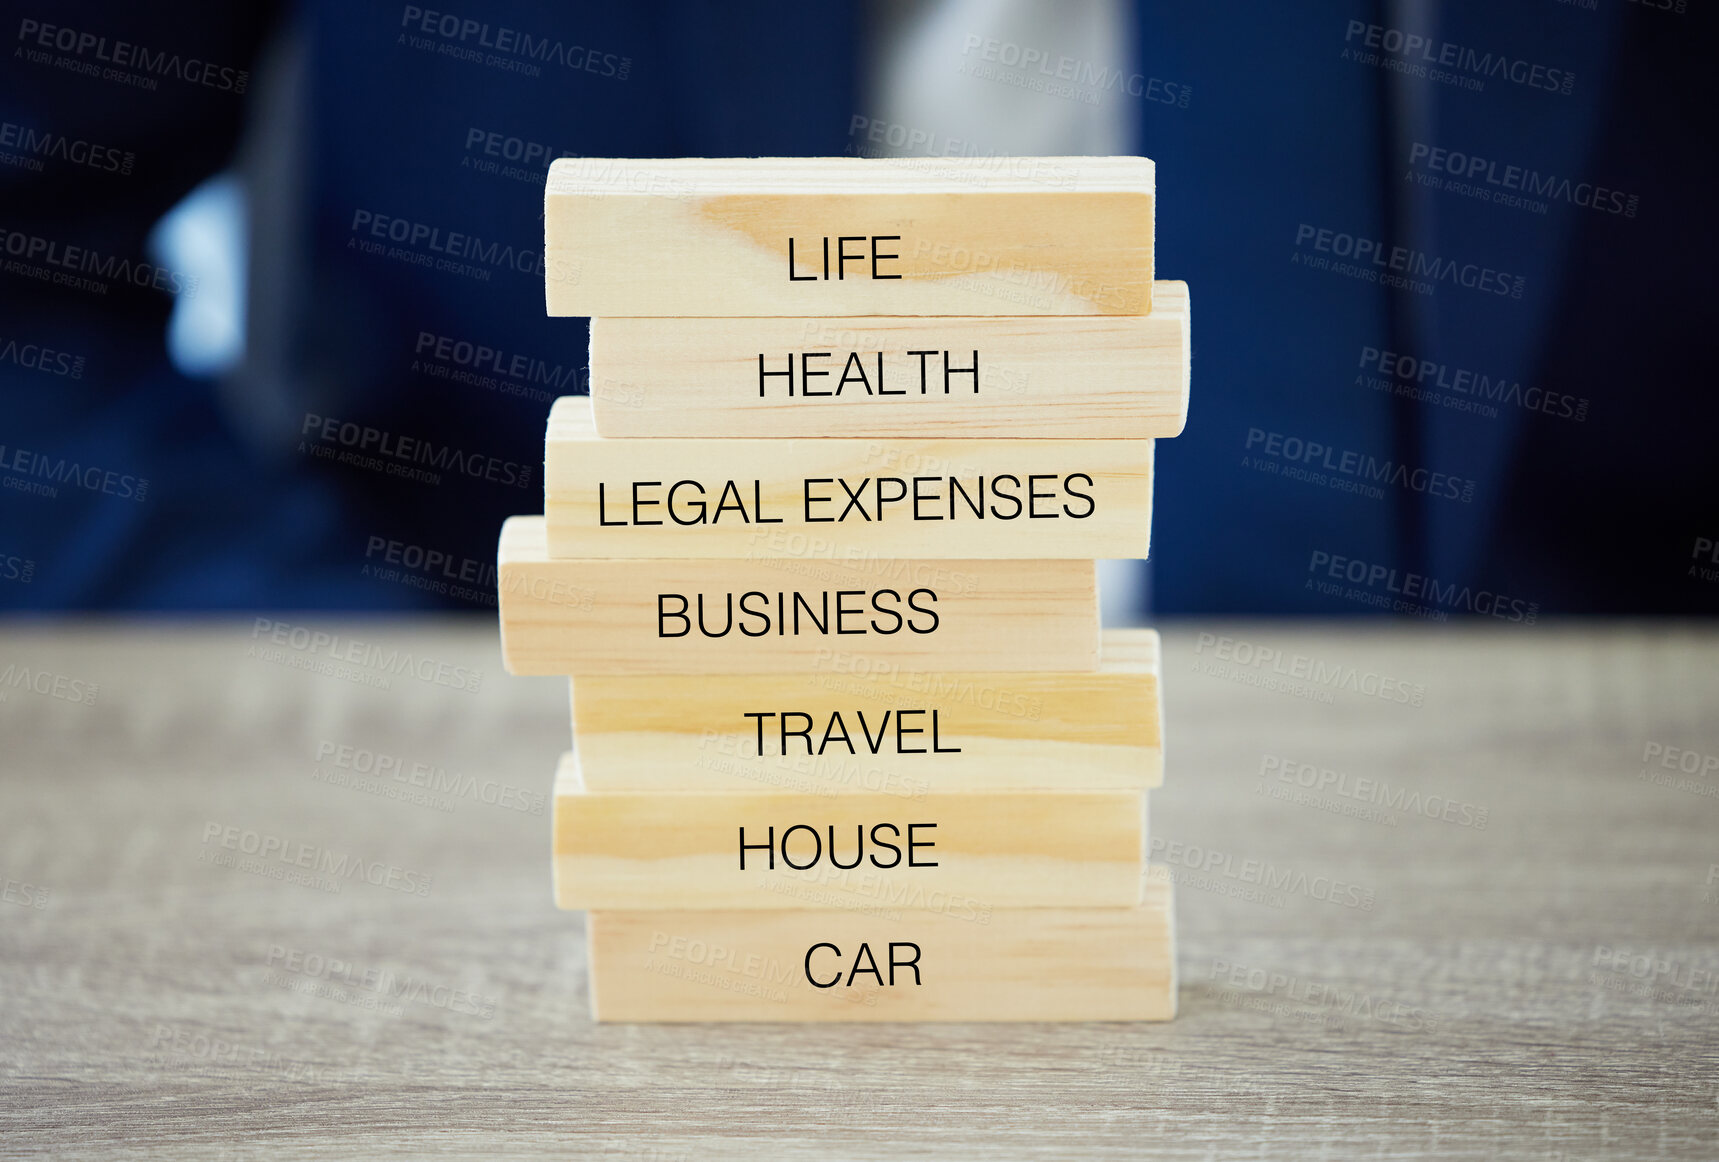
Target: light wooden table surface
1545,986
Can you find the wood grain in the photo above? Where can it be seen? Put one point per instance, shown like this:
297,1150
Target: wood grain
974,850
1462,1017
845,498
566,616
677,732
1035,964
1045,377
709,236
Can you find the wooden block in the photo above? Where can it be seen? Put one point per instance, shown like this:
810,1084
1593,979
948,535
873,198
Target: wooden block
1106,377
1043,964
978,849
877,730
869,236
570,616
967,499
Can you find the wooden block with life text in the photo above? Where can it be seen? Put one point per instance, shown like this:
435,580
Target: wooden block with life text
1065,377
843,498
768,849
952,964
780,615
848,236
852,726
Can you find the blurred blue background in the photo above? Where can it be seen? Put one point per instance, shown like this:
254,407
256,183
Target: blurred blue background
183,296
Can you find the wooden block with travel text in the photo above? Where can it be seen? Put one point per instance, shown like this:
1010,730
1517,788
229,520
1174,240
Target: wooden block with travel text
767,849
843,498
853,725
1034,964
825,236
780,615
1064,377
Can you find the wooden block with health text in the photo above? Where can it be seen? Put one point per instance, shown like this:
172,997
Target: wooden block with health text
774,615
847,236
953,964
764,849
1047,376
951,498
853,725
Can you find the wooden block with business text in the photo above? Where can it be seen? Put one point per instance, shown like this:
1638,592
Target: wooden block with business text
925,497
770,616
1063,377
854,726
848,236
769,849
953,964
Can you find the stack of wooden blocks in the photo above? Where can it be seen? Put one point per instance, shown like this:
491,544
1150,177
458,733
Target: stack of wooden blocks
819,555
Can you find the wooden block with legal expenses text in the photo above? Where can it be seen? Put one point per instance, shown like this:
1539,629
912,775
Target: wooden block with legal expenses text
922,497
848,236
1032,964
572,616
774,849
1046,376
852,725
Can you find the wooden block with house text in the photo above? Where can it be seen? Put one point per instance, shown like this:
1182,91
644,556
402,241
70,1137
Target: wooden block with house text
778,849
